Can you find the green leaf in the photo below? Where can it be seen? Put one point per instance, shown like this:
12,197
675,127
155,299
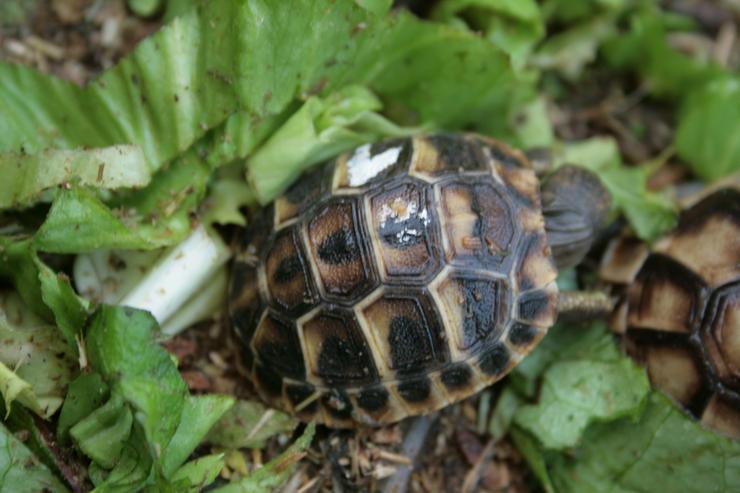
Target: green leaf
515,26
570,51
198,473
579,388
377,7
250,424
532,127
645,49
35,363
665,448
576,393
79,221
21,471
102,435
274,473
121,346
25,176
708,134
226,197
198,416
535,457
132,472
503,413
574,10
85,394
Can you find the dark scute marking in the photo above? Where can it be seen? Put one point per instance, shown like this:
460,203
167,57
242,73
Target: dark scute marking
258,229
241,275
307,186
532,305
287,269
269,381
722,203
658,269
521,334
643,338
245,322
298,393
247,356
342,361
456,376
337,403
403,234
373,399
287,353
503,157
482,310
456,152
339,248
416,390
530,246
278,346
409,343
494,360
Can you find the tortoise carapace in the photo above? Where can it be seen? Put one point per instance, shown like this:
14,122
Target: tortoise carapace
680,312
404,276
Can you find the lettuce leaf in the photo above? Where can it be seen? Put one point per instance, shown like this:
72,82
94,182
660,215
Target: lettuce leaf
515,26
321,128
26,176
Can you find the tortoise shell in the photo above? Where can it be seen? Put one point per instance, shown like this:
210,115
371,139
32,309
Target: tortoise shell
394,280
680,313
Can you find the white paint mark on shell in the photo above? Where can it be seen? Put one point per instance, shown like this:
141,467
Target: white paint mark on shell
362,168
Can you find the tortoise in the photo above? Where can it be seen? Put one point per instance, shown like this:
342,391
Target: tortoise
405,275
679,313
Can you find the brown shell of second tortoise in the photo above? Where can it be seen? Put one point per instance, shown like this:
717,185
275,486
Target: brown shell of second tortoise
680,315
394,280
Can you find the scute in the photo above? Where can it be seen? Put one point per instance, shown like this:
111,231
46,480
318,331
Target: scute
394,280
338,353
404,233
680,315
336,239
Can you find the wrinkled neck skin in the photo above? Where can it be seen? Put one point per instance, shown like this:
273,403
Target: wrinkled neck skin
575,205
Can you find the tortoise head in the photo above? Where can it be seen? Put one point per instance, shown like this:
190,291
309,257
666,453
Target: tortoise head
575,204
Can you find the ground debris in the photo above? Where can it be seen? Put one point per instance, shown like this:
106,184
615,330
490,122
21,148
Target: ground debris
74,39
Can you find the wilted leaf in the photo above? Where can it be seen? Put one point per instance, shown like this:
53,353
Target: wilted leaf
275,472
249,424
35,363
